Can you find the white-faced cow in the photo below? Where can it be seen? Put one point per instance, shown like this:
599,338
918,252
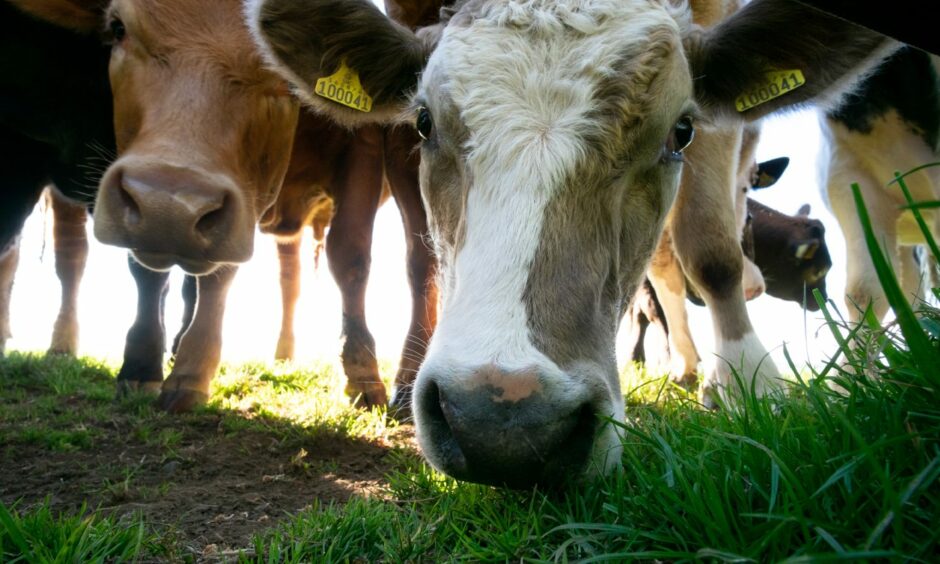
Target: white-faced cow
553,145
892,123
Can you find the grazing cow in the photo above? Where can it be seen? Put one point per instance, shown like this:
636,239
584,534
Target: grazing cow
553,137
55,128
891,124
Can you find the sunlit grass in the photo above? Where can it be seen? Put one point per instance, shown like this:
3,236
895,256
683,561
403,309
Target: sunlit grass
845,466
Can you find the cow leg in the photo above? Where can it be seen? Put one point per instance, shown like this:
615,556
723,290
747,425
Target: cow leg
704,235
861,282
288,254
401,170
201,346
142,369
189,309
8,263
668,282
637,324
71,252
348,250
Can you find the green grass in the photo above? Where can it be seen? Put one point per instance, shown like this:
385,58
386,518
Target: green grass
847,472
42,536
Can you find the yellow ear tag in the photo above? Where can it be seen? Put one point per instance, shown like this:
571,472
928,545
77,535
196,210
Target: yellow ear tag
343,87
777,84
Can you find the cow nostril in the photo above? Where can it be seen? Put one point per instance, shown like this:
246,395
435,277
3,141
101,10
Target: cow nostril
213,219
129,205
431,404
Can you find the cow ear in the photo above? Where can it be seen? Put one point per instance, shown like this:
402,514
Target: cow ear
803,211
805,250
774,54
371,62
84,17
769,172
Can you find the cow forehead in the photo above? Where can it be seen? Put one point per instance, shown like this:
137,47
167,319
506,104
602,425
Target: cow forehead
556,77
214,31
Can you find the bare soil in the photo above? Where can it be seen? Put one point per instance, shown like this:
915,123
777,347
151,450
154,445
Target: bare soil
209,486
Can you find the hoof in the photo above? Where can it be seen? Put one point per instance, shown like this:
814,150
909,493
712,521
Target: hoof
181,400
687,381
126,388
400,406
369,398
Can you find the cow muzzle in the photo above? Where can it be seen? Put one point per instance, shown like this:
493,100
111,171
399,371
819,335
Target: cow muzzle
511,429
170,215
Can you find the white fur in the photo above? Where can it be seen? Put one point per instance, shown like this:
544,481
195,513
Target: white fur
526,105
748,359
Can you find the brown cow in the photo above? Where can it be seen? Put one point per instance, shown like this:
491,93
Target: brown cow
336,178
204,132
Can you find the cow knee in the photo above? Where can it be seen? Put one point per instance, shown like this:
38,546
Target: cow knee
718,278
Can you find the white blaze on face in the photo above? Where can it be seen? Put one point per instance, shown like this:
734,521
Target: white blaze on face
524,78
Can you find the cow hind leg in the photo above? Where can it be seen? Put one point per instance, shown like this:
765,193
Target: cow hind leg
401,167
142,369
288,254
71,252
200,347
357,193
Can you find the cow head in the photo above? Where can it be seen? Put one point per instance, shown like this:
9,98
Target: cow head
553,136
203,131
791,252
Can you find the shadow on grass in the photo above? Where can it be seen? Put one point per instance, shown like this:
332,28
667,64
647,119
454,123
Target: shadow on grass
272,442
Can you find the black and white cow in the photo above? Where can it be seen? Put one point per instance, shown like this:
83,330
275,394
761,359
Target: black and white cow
554,135
892,123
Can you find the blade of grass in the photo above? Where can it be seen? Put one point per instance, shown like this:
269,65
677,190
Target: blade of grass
923,354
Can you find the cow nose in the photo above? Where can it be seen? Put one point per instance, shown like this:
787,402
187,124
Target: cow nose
176,202
503,428
169,214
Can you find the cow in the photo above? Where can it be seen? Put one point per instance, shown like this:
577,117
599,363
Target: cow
670,286
892,123
204,134
553,136
791,255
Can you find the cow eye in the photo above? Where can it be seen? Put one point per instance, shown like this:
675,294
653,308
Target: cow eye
117,30
683,133
423,123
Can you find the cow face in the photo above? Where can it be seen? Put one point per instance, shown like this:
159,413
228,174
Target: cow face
203,131
553,136
792,253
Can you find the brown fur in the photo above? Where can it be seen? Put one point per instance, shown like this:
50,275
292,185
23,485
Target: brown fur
80,15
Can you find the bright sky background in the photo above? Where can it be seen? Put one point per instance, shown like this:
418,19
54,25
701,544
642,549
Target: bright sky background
252,320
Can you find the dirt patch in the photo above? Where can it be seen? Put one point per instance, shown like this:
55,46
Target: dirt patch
205,479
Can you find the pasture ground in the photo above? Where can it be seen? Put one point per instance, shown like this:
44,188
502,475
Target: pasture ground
279,468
